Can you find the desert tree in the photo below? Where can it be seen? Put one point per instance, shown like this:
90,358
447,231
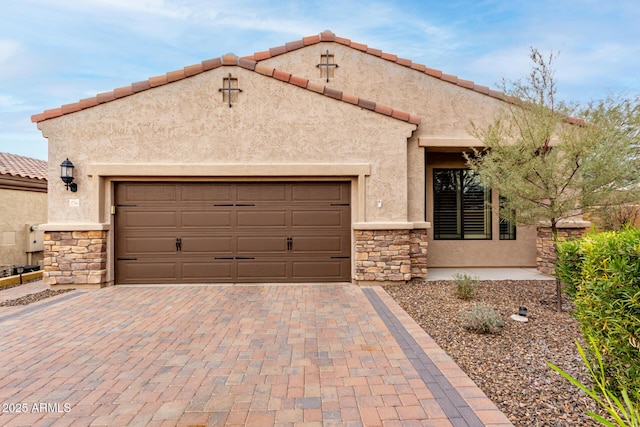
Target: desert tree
551,160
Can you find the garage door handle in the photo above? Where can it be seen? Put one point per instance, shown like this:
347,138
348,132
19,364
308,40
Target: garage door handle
178,244
289,243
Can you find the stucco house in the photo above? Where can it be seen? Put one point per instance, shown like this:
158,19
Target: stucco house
319,160
23,207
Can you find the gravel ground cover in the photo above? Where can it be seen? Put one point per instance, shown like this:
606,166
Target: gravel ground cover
28,299
510,367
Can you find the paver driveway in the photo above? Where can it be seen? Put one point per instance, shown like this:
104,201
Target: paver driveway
306,355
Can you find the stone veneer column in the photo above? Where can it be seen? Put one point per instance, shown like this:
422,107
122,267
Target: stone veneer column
75,258
390,255
418,248
546,251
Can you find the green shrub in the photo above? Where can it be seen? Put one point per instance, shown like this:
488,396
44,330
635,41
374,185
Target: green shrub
483,319
602,274
466,285
568,264
624,412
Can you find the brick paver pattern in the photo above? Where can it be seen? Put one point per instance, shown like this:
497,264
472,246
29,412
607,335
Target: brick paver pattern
210,355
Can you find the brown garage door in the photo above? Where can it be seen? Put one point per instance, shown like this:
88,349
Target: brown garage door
232,232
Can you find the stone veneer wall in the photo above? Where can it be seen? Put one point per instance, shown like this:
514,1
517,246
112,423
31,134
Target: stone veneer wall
75,258
390,255
546,251
418,249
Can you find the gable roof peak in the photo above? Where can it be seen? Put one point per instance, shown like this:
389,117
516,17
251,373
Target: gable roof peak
229,60
329,36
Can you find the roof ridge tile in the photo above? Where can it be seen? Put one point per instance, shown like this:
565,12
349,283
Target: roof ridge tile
140,86
295,45
264,70
192,70
278,50
246,63
281,75
311,40
374,52
333,93
210,64
229,59
327,36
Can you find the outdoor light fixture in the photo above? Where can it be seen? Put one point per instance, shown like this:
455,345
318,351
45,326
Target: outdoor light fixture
20,270
66,174
521,316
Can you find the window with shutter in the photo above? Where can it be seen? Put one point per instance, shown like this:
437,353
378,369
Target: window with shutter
507,227
462,208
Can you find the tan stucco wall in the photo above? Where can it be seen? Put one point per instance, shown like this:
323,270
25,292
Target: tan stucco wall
187,123
17,210
445,110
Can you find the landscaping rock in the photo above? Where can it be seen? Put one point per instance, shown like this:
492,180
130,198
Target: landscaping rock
510,366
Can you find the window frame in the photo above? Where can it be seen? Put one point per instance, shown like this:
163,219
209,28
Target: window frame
461,211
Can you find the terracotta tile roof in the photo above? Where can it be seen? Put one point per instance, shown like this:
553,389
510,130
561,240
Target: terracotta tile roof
328,36
26,167
224,61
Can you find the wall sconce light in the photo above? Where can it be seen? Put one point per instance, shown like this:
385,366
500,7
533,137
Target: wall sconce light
66,174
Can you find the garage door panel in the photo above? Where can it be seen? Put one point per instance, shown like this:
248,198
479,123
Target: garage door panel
219,193
318,218
207,244
160,271
148,219
262,270
147,193
207,270
261,244
207,219
146,245
247,193
323,269
319,243
261,218
319,192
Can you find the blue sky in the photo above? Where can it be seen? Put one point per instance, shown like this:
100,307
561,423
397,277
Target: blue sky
55,52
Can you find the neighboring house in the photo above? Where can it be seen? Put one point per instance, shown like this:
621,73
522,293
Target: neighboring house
23,207
320,160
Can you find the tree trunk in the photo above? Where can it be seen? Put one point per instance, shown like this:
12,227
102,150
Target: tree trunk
554,233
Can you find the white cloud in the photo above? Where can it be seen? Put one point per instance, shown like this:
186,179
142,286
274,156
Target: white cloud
11,104
9,49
